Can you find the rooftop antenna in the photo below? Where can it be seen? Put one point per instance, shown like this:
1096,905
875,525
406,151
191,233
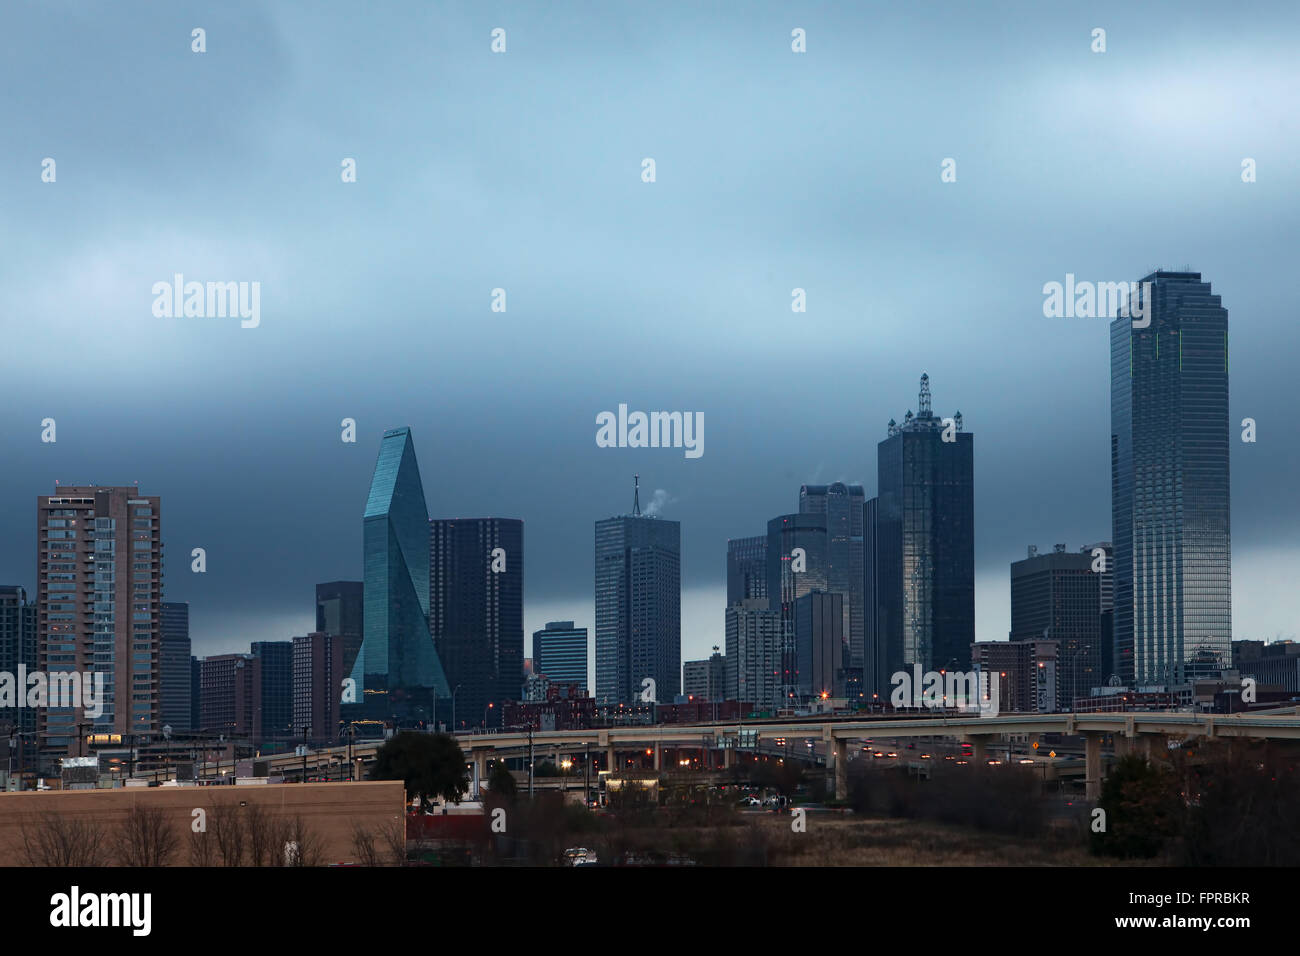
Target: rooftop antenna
924,410
636,496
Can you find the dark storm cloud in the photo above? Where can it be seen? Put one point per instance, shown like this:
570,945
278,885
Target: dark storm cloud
522,171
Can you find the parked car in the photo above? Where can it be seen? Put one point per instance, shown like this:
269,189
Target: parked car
579,856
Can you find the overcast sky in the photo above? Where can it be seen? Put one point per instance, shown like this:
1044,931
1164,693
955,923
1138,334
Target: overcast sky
522,171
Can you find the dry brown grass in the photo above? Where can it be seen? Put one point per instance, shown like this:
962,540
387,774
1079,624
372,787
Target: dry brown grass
834,840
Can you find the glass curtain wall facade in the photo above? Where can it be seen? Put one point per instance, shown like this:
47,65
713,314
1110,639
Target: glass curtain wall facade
1170,483
397,674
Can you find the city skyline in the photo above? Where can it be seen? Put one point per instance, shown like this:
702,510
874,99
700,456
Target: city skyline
594,320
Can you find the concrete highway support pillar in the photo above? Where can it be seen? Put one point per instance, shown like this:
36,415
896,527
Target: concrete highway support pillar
838,754
1124,745
1092,765
480,770
728,758
610,758
978,750
659,756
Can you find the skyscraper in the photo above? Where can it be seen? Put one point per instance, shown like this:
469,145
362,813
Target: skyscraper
753,658
174,666
797,564
842,506
18,648
638,606
820,648
923,569
317,684
99,560
397,673
746,569
273,673
1057,597
227,694
340,609
476,612
1170,483
560,652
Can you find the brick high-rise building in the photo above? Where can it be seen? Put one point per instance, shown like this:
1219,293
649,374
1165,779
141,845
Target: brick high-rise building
227,689
318,672
99,597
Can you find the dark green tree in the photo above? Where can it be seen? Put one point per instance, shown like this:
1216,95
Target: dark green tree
431,765
1143,807
501,781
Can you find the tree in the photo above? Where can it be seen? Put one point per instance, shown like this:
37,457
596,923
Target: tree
54,839
501,781
431,765
1142,807
145,838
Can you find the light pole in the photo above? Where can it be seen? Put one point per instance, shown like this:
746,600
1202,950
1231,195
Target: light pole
485,713
453,709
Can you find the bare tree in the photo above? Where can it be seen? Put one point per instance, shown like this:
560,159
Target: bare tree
364,845
227,825
145,838
203,848
53,839
394,835
302,846
263,831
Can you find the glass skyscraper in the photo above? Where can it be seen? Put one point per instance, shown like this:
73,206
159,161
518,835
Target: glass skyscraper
746,569
638,607
922,571
841,505
174,665
790,576
560,652
476,613
397,672
1169,483
340,611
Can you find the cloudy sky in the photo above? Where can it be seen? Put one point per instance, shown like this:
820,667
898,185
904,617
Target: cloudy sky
522,171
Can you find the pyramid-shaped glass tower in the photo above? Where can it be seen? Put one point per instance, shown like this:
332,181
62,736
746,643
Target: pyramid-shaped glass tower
397,673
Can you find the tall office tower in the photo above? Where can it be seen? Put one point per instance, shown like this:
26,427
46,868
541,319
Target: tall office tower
820,648
797,562
705,679
638,606
99,557
174,666
476,612
1106,580
753,658
227,692
924,564
196,692
560,652
842,506
746,569
1169,483
875,668
18,649
340,609
397,672
1057,597
273,668
318,672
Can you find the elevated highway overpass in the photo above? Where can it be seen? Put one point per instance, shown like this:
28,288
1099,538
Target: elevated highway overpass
1132,732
